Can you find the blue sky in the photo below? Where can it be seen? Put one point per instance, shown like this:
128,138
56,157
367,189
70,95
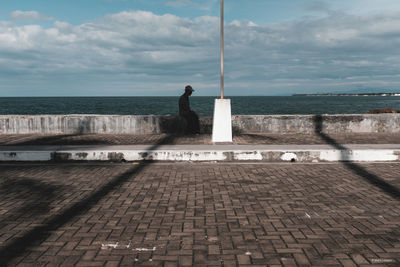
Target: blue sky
77,12
139,47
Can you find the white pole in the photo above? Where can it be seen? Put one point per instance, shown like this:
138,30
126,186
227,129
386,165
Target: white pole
222,120
222,49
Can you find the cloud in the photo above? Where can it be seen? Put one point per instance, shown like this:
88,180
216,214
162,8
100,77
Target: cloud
318,6
19,15
371,6
202,5
353,7
139,53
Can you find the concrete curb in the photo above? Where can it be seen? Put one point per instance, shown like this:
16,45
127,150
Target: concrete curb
266,153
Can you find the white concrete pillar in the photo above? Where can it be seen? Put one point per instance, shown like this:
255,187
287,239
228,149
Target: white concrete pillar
222,121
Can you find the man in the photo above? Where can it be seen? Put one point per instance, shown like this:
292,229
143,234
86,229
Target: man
193,125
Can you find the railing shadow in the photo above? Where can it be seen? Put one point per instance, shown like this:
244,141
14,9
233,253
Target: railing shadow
355,168
38,234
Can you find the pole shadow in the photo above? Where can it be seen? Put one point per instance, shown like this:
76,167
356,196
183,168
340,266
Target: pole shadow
356,169
38,234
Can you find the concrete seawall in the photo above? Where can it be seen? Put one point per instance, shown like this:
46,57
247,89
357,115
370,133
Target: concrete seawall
149,124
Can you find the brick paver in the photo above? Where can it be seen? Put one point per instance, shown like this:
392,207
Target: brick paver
203,214
241,139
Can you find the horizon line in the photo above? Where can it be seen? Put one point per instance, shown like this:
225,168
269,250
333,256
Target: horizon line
147,96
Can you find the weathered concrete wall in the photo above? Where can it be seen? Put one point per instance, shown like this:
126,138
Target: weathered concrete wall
149,124
340,123
82,124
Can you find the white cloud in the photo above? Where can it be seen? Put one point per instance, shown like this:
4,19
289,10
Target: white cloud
19,15
353,7
141,50
371,6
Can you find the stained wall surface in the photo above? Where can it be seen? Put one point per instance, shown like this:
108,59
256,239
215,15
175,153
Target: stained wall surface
151,124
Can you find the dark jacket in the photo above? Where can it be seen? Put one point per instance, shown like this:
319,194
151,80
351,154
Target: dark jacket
184,105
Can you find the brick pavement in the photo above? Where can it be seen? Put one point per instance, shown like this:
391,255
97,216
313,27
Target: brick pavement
241,139
183,214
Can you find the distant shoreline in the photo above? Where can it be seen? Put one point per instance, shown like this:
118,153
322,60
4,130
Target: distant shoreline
254,105
365,94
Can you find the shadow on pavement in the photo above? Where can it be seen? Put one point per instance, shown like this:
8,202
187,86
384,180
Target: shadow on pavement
102,139
358,170
256,137
40,233
82,135
57,139
83,127
37,202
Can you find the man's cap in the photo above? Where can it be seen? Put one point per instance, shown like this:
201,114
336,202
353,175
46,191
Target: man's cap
189,88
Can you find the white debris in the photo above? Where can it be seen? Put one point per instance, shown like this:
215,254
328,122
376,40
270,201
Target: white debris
109,245
146,249
382,260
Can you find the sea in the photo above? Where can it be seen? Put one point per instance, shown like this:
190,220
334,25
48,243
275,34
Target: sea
203,105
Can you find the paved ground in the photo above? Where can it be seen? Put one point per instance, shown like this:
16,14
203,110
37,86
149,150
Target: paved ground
182,214
241,139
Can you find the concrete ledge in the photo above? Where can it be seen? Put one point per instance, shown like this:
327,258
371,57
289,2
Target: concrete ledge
84,124
330,124
267,153
149,124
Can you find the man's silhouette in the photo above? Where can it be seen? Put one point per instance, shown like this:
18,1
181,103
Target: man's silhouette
193,125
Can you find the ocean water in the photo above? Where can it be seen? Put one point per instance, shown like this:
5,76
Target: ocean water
202,105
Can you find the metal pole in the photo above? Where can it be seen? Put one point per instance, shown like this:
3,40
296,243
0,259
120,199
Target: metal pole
222,49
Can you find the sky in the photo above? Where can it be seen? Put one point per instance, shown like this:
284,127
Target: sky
147,48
